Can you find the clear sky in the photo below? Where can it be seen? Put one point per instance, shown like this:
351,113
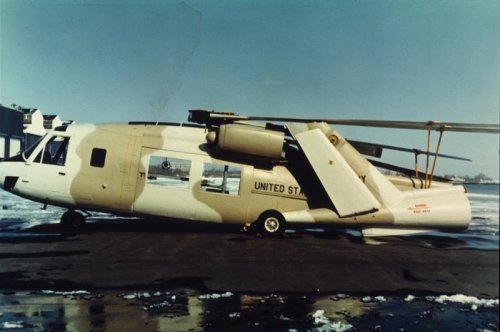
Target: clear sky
115,61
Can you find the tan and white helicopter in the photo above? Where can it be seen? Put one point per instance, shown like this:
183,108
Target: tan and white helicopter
223,168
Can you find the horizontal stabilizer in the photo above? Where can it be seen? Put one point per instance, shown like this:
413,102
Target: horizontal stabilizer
372,232
346,191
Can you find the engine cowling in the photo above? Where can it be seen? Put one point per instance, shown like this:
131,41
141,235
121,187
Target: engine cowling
247,140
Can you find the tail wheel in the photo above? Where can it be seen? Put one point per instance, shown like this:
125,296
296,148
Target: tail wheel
72,220
271,223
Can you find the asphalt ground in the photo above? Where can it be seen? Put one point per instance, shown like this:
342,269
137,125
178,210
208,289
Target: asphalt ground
138,254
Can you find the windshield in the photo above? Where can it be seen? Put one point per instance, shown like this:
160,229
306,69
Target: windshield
24,155
27,153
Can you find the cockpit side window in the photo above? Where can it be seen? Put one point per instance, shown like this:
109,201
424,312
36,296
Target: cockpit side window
59,157
54,152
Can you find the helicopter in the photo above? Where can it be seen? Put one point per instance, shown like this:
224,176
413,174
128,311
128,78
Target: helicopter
262,173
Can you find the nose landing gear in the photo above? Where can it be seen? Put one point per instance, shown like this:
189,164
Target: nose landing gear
72,221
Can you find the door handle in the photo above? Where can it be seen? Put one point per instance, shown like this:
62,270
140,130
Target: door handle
62,173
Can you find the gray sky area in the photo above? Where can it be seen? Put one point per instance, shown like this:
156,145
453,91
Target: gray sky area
116,61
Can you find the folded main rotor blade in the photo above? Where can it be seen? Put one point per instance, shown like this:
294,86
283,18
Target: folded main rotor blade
202,116
367,145
432,125
403,170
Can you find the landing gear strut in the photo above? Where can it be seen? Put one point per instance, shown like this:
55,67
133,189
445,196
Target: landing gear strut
72,221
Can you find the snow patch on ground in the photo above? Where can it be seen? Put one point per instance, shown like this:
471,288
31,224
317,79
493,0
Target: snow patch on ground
71,293
339,296
464,299
409,298
368,299
12,325
324,324
157,306
215,296
145,295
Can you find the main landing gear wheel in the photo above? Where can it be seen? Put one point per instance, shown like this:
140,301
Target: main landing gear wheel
72,221
271,224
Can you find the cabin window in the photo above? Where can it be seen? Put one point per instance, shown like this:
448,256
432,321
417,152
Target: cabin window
98,157
222,179
169,172
54,152
2,147
15,147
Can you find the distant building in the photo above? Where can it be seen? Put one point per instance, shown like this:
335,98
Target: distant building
51,121
33,125
11,132
21,127
457,180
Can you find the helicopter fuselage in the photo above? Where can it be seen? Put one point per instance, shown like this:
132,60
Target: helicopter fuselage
170,171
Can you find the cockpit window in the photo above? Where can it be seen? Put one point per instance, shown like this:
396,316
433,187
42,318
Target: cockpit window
54,152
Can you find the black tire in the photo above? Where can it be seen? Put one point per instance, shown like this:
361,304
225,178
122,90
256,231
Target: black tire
271,224
72,221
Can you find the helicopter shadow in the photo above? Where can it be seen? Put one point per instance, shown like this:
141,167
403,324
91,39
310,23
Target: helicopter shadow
121,225
433,240
94,225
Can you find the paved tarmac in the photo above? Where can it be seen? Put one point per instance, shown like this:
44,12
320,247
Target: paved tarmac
142,255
